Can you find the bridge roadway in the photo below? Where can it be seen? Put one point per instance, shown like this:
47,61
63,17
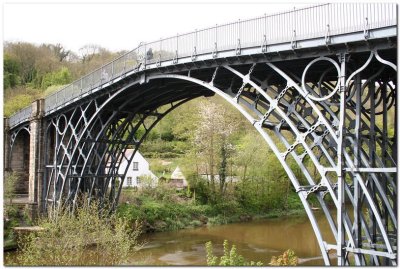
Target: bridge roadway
317,83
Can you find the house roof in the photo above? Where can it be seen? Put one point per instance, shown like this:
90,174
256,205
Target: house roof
177,174
125,156
128,153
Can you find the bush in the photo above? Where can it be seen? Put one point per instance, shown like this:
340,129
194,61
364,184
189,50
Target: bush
230,257
169,210
195,223
10,181
11,213
11,217
52,89
16,103
84,238
60,77
228,207
287,258
218,220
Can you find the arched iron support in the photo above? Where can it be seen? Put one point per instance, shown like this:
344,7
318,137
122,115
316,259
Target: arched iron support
270,142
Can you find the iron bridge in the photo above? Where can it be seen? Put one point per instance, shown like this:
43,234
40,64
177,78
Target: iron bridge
318,84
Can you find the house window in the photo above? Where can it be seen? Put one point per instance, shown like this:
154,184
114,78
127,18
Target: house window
138,180
129,181
135,166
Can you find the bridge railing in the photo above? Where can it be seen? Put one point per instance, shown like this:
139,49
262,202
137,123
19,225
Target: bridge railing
298,24
104,74
20,116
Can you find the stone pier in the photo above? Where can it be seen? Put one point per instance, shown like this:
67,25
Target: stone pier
36,157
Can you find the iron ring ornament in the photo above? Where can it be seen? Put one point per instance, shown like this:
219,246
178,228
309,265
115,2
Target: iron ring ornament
303,83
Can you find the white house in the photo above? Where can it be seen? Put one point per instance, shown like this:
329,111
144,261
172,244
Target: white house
138,171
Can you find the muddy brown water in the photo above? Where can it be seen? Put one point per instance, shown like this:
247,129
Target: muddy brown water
256,240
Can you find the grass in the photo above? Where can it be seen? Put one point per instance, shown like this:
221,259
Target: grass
162,167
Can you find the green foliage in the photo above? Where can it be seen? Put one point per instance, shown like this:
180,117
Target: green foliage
230,257
147,182
12,214
173,215
51,89
163,149
288,258
200,187
60,77
9,185
11,220
11,72
23,54
30,66
17,103
82,238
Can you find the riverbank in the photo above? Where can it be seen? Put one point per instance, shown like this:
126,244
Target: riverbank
161,216
179,212
256,240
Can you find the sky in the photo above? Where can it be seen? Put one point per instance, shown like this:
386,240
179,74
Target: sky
122,25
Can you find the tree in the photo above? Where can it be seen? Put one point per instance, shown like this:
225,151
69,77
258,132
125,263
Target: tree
60,77
212,141
88,51
25,54
60,52
11,72
33,61
249,151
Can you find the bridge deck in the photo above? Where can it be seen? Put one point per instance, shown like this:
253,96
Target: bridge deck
297,33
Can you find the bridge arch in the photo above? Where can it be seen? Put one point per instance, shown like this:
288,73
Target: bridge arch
19,156
95,135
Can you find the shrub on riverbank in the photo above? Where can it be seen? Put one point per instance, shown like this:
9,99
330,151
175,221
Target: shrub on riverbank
82,238
232,258
288,258
163,209
158,215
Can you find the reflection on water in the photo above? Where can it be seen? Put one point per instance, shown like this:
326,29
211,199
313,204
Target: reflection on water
255,240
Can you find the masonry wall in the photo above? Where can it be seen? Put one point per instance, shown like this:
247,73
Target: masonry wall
19,162
36,154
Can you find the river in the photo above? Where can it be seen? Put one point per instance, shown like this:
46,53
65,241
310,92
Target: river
256,240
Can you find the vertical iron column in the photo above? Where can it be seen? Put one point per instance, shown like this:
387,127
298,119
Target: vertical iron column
340,171
372,149
357,162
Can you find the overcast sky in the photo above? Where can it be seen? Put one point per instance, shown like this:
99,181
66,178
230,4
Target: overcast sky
122,25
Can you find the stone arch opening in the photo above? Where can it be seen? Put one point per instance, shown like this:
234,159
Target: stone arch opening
19,160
